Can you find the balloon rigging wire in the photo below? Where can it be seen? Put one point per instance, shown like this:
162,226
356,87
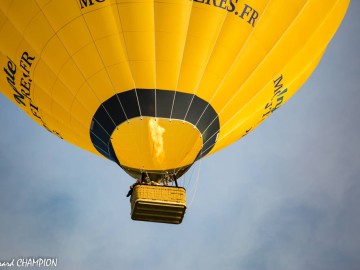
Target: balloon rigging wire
187,181
233,97
90,87
182,58
131,69
195,184
111,81
227,73
85,80
106,70
75,64
258,65
128,58
154,10
254,113
207,63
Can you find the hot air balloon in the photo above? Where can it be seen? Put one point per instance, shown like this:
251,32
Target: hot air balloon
154,85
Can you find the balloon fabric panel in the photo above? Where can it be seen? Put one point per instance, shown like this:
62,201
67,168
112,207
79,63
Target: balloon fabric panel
156,85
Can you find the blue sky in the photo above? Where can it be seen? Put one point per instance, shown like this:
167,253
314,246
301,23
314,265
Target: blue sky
287,196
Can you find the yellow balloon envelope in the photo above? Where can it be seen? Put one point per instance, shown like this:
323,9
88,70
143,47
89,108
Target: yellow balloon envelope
156,85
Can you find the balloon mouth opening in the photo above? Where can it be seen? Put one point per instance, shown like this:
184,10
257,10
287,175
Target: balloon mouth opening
154,130
156,145
155,175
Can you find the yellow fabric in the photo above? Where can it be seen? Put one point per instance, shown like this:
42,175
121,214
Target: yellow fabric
62,59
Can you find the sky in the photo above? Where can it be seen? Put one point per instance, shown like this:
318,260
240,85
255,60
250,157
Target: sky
285,197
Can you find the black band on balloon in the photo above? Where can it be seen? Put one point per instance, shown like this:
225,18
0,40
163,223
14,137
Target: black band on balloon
109,115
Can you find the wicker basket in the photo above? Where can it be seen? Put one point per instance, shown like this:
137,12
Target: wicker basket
158,204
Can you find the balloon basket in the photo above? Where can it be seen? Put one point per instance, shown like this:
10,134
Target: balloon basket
158,204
